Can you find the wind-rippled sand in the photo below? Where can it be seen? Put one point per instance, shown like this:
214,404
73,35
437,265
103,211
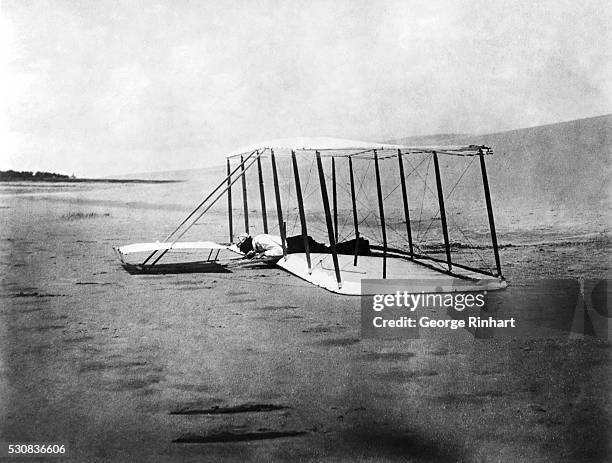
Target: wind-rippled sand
253,364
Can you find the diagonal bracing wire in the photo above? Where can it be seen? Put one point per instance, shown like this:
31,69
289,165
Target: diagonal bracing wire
423,195
446,197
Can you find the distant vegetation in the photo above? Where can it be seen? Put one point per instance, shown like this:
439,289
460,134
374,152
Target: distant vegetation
82,215
12,175
27,176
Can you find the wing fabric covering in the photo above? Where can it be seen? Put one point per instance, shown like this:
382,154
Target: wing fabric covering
157,246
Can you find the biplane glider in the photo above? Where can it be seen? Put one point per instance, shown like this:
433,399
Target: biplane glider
380,235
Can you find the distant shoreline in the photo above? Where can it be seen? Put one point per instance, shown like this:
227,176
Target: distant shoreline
13,176
86,180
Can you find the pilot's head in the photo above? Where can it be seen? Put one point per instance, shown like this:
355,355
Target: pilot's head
244,242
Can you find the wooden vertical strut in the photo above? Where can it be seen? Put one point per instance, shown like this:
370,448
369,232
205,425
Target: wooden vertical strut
262,197
328,219
230,218
279,207
245,202
334,198
405,200
300,201
354,204
442,211
199,216
485,184
199,206
381,209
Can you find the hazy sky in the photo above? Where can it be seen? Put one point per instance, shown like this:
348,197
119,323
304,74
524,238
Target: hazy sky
108,87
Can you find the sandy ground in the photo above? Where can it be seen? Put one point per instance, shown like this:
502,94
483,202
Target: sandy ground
260,366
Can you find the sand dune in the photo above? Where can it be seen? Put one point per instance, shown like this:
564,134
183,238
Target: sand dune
565,164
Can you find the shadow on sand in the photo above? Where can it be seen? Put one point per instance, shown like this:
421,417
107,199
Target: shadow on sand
175,268
371,442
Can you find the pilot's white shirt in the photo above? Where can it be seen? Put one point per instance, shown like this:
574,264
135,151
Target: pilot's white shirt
270,245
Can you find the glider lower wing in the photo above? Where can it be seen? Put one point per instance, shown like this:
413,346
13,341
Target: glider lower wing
157,246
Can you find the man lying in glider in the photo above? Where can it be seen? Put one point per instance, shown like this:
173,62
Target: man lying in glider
259,246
